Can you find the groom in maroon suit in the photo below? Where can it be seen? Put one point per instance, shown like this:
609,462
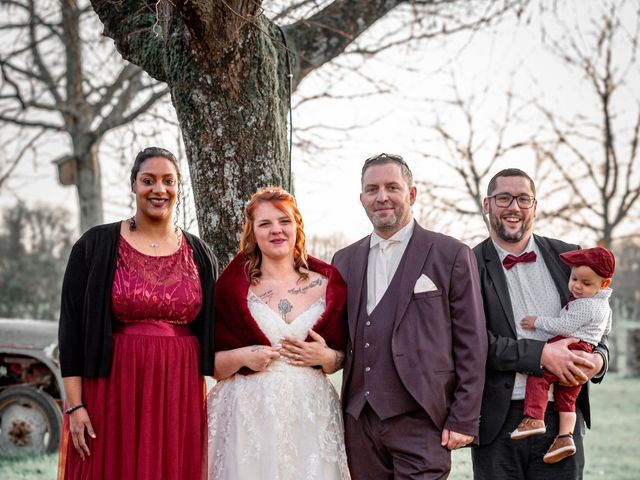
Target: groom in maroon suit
414,369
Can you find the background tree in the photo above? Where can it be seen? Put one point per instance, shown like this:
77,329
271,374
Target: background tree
63,85
594,152
586,161
34,246
470,146
231,70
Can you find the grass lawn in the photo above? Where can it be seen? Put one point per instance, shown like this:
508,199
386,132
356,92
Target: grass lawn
612,445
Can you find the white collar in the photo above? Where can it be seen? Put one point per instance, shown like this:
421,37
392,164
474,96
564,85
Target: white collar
531,247
400,236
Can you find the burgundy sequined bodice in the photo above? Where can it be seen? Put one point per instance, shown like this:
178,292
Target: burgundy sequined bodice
148,288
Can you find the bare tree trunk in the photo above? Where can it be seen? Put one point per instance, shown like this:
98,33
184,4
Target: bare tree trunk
235,134
89,186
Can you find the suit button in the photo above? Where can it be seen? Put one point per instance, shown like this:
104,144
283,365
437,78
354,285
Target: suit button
351,351
508,385
367,369
366,394
368,323
366,345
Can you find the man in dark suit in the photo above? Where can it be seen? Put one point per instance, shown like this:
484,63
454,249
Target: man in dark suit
414,368
521,274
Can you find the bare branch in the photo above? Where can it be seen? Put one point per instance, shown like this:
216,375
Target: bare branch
598,55
326,34
43,71
13,163
29,123
126,75
110,123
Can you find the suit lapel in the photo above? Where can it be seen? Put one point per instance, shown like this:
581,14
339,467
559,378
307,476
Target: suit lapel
415,257
499,281
357,279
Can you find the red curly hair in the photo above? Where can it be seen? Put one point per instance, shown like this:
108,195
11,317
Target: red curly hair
286,203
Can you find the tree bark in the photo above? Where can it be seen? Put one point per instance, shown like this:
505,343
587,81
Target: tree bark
235,133
88,183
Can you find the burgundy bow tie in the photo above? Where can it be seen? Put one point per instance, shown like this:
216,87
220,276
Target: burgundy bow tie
510,260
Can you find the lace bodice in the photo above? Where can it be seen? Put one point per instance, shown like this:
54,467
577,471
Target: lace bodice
163,288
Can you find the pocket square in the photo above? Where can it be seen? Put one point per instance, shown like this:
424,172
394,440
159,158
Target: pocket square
424,284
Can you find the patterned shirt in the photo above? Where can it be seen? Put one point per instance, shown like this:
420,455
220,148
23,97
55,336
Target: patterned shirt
532,292
587,319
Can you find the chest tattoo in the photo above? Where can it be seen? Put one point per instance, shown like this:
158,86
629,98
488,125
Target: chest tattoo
297,291
284,307
266,296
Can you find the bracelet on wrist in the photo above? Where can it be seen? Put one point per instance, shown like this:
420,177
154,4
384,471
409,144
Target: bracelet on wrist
70,410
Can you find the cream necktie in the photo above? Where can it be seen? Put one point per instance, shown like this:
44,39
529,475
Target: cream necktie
382,268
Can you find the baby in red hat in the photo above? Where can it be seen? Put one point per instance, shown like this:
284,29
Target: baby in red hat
586,317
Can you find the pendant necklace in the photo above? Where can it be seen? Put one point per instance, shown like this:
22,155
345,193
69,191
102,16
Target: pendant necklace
154,245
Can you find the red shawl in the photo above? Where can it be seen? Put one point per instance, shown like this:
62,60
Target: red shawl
236,328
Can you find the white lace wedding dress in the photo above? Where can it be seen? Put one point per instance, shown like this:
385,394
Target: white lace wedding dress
283,423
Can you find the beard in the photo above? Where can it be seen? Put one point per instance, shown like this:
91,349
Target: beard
384,224
392,221
509,236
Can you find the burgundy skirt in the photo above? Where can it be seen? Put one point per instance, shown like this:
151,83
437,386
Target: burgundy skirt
149,415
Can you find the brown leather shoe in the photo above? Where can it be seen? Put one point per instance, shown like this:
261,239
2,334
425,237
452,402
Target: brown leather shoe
527,427
562,447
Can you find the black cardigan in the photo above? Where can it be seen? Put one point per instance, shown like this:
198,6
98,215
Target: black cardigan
85,335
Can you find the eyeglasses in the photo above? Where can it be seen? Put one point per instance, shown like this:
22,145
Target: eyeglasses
504,200
390,156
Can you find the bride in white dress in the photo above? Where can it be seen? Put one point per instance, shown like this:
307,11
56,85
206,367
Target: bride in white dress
280,329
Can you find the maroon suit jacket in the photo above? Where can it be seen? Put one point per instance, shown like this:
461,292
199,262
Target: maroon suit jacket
439,340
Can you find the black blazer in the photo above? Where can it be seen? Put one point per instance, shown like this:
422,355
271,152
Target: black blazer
507,355
84,335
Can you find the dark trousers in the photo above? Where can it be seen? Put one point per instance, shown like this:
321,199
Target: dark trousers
537,393
507,459
404,447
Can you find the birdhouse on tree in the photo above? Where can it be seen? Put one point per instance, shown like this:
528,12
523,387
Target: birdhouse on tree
67,168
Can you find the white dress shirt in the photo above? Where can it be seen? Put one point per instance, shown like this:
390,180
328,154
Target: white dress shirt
532,292
399,242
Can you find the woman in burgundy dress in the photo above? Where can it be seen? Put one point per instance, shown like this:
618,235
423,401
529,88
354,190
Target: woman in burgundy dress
136,338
